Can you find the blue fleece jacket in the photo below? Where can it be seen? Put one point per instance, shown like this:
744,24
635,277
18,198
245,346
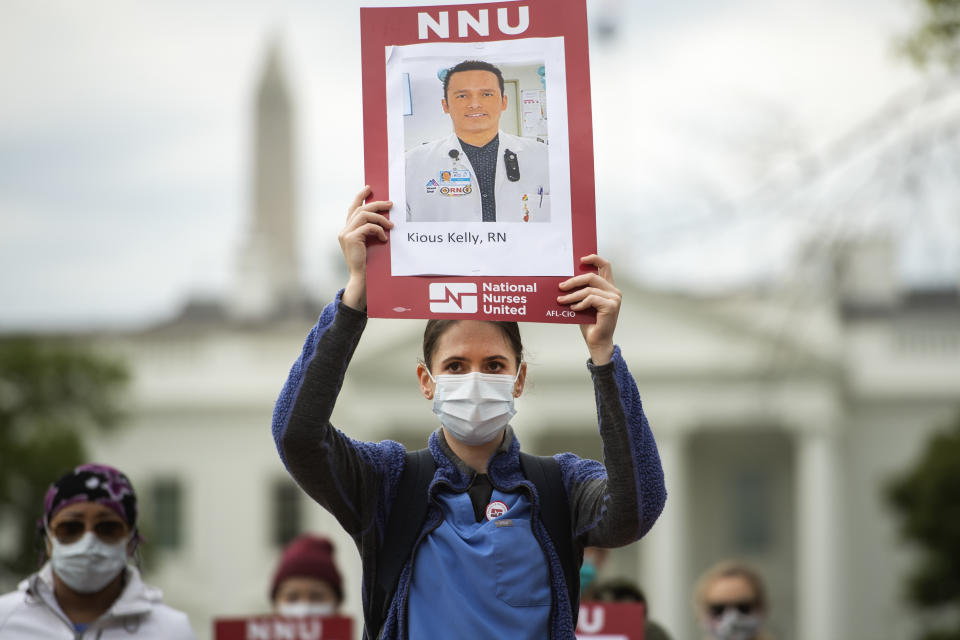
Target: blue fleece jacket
612,503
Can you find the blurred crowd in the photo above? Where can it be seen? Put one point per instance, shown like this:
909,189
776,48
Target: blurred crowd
89,584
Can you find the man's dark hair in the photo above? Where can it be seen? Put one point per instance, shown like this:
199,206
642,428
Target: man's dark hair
471,65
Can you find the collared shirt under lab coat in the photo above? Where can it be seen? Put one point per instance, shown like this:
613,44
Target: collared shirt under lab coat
432,177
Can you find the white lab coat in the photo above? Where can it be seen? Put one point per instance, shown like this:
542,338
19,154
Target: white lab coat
441,189
32,612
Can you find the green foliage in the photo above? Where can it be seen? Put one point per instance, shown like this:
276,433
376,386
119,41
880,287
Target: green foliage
937,38
942,635
927,500
51,395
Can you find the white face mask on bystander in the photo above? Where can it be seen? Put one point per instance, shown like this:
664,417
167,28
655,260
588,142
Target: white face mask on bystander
734,625
305,609
474,407
89,564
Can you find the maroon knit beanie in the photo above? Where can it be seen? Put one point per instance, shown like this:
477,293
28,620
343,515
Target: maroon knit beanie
308,556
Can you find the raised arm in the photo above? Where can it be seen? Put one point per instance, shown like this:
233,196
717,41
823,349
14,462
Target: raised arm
616,502
595,290
344,475
364,223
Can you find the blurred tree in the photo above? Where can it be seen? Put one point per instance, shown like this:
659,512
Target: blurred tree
51,396
937,38
927,500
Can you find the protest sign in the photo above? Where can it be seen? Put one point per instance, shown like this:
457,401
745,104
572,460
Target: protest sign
611,621
283,628
477,125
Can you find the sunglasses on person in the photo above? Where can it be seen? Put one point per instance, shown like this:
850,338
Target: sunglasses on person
717,609
109,531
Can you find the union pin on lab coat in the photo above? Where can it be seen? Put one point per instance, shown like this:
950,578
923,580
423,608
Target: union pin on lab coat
441,185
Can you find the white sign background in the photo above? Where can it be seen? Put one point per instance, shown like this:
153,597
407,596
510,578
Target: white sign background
540,249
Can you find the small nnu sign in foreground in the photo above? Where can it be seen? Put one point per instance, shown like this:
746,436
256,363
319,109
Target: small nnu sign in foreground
281,628
611,621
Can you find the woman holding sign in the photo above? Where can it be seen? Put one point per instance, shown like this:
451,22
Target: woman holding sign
469,538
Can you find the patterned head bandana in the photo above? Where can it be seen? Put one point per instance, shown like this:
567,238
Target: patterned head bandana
92,483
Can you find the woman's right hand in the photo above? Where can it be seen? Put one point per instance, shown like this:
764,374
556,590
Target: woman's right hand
363,222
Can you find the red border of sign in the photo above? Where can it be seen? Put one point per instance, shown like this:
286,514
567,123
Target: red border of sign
391,296
332,628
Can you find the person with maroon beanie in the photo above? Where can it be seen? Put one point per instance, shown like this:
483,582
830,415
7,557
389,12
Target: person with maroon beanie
306,581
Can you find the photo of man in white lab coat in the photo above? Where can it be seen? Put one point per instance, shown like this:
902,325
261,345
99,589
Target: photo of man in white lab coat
478,173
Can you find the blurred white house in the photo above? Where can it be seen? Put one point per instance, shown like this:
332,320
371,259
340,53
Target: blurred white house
779,414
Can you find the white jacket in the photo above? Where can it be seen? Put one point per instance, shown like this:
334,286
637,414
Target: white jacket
32,613
444,188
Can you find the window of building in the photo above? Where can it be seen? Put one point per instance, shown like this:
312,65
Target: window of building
167,513
287,508
753,510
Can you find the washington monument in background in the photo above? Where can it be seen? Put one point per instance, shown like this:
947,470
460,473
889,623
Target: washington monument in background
268,281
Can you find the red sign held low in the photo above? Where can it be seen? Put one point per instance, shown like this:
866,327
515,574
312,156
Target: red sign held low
282,628
611,621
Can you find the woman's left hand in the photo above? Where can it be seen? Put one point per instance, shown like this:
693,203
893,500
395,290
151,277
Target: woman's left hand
597,291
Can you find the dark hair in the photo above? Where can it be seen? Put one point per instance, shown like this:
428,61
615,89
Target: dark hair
730,569
471,65
436,328
617,591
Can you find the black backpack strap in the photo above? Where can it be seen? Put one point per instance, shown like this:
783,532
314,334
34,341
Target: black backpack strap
406,519
544,473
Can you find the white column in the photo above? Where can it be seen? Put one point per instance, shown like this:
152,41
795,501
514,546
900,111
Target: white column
664,550
817,574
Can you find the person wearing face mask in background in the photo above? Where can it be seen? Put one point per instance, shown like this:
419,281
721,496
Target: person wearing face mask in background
730,601
593,559
306,581
616,590
625,591
87,589
482,563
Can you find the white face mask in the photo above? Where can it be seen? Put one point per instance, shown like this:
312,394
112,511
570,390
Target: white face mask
474,407
733,625
304,609
89,564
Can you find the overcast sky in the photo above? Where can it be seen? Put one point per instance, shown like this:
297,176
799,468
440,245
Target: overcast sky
125,134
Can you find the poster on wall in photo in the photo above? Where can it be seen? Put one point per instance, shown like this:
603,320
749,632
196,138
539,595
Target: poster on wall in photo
477,125
533,114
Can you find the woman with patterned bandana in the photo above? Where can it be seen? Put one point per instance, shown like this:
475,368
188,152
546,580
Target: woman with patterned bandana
87,588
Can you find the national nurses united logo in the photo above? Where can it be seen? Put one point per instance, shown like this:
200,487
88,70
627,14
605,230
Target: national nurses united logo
453,297
496,509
